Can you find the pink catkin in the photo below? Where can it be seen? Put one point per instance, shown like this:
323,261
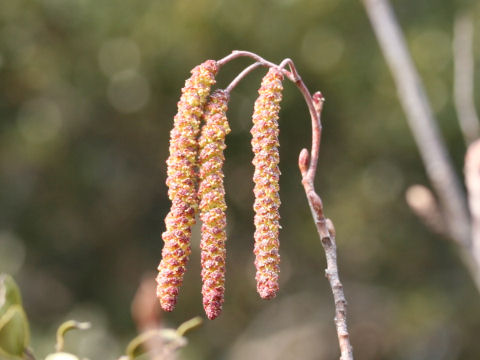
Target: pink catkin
267,201
181,181
212,202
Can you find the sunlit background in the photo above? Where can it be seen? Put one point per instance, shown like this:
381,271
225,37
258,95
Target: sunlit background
88,91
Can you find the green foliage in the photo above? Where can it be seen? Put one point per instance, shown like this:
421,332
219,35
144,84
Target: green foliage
14,332
9,293
14,328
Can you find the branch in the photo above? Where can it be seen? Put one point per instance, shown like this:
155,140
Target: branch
424,205
463,77
427,136
472,180
240,53
240,76
420,119
294,77
325,228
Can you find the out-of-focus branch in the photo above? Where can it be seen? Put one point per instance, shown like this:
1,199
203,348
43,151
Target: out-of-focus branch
424,205
432,148
472,180
147,316
463,77
420,119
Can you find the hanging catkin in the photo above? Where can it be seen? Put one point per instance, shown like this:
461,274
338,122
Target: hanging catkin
211,194
181,181
267,201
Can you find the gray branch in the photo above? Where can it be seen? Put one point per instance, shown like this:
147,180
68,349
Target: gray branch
420,119
463,77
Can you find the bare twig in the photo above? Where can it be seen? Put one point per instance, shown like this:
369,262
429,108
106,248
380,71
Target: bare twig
325,229
240,53
240,76
420,119
463,77
308,166
252,67
314,104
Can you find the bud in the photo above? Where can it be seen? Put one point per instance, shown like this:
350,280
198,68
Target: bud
212,202
181,181
267,201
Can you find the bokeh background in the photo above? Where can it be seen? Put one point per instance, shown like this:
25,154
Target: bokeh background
88,90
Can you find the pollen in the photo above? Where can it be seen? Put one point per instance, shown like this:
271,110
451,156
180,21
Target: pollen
265,145
181,182
211,194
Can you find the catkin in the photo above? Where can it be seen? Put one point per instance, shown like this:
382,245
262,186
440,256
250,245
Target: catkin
212,202
181,181
266,176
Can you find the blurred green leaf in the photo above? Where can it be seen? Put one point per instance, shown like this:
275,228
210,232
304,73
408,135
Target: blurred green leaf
9,293
14,332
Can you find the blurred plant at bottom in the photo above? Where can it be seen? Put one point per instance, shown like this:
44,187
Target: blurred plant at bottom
161,344
153,342
14,328
62,330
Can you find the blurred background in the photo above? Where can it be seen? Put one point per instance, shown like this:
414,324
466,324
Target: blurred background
88,91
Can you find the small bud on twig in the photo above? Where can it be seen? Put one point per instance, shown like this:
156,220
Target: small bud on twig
303,161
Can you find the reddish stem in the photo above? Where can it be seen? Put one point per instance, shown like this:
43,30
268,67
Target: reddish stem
237,54
325,230
240,76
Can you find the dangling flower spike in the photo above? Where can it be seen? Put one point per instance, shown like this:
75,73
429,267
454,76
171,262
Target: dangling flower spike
211,194
181,182
267,201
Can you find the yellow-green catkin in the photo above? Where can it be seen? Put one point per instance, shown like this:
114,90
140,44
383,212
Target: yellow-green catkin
211,194
181,181
267,201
